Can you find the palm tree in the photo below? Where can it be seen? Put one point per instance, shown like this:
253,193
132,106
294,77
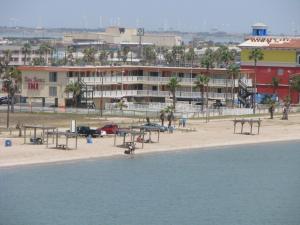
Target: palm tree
119,55
12,80
70,56
190,56
234,70
89,55
43,50
26,50
296,83
76,89
208,61
255,55
7,57
103,57
178,54
172,86
125,52
149,54
169,59
275,84
121,104
224,56
201,82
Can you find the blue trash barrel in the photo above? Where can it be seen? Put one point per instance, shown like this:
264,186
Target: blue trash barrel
8,143
89,139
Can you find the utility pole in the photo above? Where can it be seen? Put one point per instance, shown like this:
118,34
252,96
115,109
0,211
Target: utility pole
140,33
101,103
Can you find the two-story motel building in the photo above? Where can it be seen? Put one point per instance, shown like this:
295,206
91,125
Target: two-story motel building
135,83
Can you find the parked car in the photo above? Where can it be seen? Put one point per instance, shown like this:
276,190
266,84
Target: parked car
87,131
161,128
218,104
3,100
109,129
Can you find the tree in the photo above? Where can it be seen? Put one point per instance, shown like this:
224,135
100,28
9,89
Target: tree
89,55
12,81
255,55
119,55
103,57
296,83
168,56
202,82
125,51
76,89
275,84
44,50
234,70
224,56
121,104
26,50
208,61
190,55
149,54
178,54
172,86
70,57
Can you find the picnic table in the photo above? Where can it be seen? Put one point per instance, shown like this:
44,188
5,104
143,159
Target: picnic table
251,122
56,134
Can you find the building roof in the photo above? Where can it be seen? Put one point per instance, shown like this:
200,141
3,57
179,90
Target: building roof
259,25
272,42
126,68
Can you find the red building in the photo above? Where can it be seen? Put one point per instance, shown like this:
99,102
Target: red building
281,59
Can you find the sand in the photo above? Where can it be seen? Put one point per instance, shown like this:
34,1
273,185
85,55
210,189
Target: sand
212,134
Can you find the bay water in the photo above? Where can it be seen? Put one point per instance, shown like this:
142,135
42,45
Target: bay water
241,185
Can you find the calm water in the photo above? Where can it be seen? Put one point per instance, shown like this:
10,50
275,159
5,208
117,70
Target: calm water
249,185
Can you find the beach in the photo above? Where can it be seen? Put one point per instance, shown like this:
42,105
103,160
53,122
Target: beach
215,133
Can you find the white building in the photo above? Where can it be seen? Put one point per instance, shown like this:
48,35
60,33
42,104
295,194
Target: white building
117,35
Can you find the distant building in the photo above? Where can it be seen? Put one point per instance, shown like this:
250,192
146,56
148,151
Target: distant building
281,60
17,55
126,36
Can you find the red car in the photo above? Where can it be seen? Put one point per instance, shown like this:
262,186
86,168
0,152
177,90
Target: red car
110,128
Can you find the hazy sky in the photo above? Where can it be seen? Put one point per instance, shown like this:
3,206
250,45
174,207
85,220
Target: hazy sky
282,16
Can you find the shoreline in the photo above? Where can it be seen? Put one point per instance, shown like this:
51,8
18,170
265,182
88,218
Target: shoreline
113,156
215,134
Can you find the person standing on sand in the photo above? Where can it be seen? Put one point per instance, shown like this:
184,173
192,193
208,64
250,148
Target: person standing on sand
162,117
285,112
271,110
170,118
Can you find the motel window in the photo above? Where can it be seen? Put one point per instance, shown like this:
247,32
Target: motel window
53,77
280,72
52,91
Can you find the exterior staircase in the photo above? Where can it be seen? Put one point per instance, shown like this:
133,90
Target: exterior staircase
245,95
87,96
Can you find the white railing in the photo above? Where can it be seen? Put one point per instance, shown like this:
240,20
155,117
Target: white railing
149,93
155,80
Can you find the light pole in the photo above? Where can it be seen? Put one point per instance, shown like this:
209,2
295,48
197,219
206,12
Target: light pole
7,81
122,81
101,103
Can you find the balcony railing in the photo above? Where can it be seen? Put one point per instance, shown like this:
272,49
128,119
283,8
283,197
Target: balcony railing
155,80
163,94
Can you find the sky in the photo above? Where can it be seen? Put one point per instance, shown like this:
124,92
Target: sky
282,16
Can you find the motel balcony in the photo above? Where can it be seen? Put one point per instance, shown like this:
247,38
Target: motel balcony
155,80
149,93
